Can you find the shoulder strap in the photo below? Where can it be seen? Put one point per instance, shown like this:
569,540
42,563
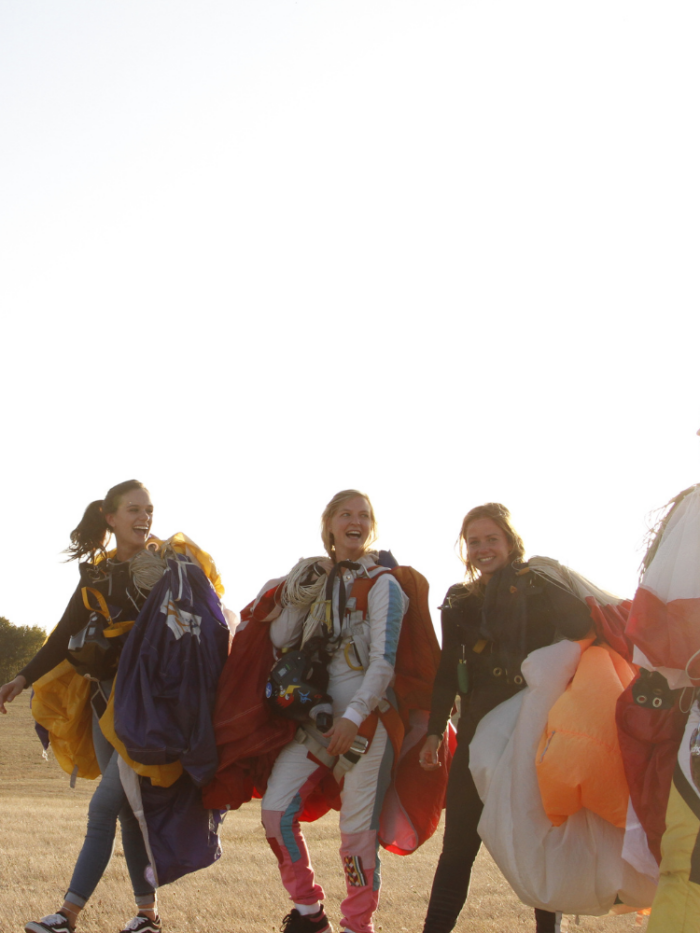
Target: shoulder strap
361,588
87,592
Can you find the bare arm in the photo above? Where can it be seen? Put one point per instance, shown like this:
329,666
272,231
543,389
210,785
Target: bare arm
9,691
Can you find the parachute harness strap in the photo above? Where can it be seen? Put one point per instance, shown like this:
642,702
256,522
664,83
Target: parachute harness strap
112,629
687,667
88,591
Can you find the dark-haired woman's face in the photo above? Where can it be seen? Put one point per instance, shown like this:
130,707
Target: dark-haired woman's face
131,523
487,547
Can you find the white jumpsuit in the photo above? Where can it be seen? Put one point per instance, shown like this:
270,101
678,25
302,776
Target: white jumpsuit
356,692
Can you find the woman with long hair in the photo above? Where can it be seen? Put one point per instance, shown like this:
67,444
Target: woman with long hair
355,651
490,623
113,587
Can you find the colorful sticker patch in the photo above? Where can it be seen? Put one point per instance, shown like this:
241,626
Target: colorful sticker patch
353,871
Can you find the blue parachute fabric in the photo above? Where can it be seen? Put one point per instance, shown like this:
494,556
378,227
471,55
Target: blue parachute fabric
387,559
168,672
182,833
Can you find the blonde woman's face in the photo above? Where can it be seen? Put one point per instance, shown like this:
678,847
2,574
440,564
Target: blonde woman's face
487,547
351,527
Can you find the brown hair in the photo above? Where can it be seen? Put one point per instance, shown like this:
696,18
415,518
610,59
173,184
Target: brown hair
660,519
499,514
88,538
332,509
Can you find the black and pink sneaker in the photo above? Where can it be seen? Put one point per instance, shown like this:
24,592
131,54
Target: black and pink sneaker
295,922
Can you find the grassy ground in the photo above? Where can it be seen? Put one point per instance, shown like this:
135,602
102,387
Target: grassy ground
42,823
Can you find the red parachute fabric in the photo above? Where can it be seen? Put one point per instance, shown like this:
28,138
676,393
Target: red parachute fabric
610,621
667,633
249,736
649,741
413,804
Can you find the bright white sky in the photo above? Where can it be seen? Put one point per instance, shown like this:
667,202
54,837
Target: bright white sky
255,252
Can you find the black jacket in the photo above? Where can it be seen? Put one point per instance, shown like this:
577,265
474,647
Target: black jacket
113,580
494,632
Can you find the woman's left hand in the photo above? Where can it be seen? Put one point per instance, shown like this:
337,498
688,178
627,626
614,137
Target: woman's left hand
342,734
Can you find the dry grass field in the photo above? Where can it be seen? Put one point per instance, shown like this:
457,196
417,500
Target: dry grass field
42,823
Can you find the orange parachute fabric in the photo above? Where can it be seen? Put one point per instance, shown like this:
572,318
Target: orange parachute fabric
579,762
418,653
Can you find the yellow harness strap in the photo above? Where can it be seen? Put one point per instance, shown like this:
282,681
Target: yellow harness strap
327,612
353,667
118,628
101,602
112,629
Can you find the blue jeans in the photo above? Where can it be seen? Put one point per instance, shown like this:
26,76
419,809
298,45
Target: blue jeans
109,802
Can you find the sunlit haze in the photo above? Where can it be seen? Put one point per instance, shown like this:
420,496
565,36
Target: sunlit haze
254,253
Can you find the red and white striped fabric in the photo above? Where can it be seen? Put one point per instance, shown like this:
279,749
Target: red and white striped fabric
664,621
664,626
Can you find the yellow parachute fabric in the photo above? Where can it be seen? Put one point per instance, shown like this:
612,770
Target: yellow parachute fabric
181,544
61,704
61,700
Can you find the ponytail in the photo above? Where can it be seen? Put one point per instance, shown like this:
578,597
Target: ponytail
88,538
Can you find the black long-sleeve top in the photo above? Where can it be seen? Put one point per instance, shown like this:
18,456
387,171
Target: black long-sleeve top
528,611
113,580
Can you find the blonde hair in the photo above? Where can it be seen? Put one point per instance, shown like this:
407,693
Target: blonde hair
332,509
499,514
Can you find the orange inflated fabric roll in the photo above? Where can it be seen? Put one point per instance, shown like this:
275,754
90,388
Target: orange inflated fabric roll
579,763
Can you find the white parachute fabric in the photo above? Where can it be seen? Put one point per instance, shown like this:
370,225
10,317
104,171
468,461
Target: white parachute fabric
575,868
571,580
674,573
635,848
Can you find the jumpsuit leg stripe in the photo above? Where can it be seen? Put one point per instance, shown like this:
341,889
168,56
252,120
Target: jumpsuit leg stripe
281,806
383,782
287,822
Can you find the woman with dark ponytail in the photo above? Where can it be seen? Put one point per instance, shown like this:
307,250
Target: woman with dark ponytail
94,632
88,538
